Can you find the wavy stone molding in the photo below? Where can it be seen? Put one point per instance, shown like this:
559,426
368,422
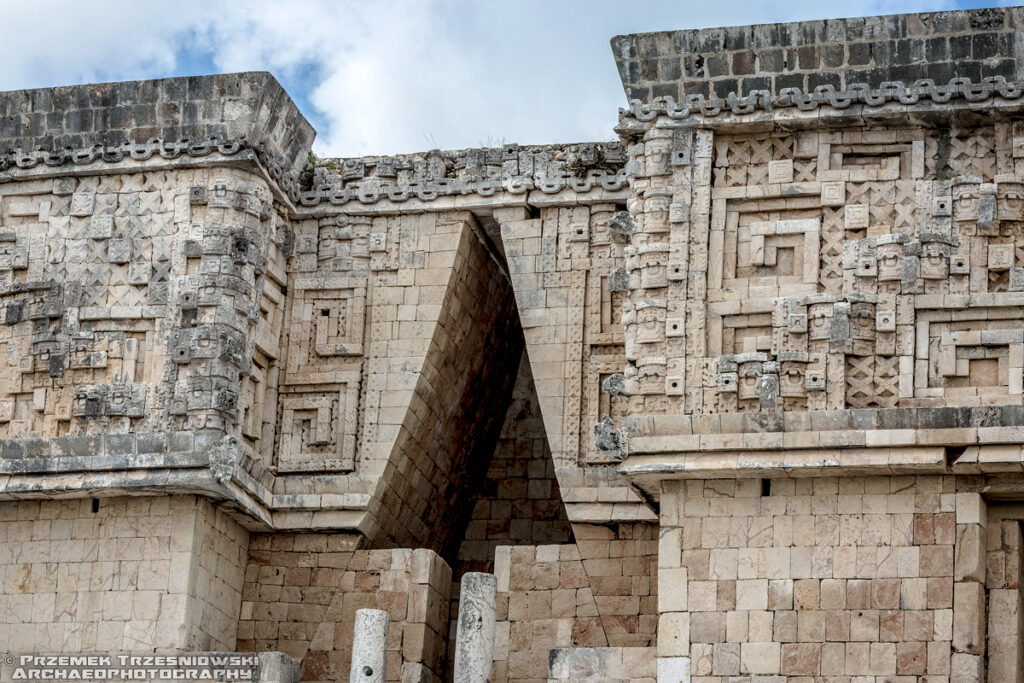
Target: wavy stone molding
827,95
483,172
394,178
371,191
144,151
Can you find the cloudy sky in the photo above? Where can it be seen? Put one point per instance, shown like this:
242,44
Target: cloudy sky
389,76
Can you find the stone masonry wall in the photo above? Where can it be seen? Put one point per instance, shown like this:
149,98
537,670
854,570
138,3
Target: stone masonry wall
451,425
566,266
1005,657
598,664
849,577
135,309
302,592
225,106
599,592
217,569
836,52
139,574
518,501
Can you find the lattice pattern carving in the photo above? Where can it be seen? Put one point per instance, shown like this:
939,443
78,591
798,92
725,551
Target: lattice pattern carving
813,263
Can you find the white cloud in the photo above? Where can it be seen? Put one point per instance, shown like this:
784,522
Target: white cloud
390,76
53,42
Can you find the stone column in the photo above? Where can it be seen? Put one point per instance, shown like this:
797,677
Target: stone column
369,643
277,667
474,644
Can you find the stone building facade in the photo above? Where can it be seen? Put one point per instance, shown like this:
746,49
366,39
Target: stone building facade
737,398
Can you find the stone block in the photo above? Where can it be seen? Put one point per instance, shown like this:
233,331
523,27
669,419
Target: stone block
672,589
969,617
965,668
674,634
969,562
760,658
674,669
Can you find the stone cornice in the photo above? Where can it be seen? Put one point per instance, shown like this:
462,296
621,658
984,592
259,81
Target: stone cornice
335,189
697,110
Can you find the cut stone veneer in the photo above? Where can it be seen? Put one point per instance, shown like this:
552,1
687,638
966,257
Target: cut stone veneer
129,574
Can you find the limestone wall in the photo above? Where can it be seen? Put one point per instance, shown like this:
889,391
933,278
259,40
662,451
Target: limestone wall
173,317
325,348
442,374
140,574
599,592
565,267
93,266
217,568
137,316
825,297
1004,660
634,664
302,591
892,280
823,577
518,501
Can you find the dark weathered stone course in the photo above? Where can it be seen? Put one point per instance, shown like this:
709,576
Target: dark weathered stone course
716,61
250,105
